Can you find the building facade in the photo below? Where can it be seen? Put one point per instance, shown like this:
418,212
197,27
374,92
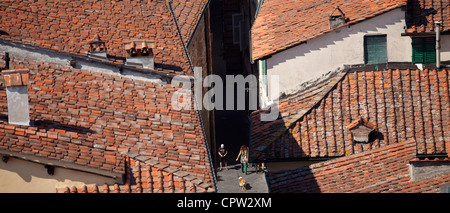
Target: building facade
370,33
97,77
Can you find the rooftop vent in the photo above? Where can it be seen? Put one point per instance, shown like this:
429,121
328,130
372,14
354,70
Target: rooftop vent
16,83
140,53
97,48
337,18
360,130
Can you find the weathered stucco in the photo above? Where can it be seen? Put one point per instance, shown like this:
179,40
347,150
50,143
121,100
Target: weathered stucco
21,176
341,47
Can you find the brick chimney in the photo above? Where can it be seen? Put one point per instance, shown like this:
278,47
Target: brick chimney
140,53
97,48
16,83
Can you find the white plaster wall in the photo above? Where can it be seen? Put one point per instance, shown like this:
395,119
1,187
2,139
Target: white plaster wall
20,176
445,47
342,46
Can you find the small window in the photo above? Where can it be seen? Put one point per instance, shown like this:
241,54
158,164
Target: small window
445,188
237,18
423,50
375,50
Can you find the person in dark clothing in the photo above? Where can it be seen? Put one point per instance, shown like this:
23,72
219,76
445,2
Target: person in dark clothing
223,156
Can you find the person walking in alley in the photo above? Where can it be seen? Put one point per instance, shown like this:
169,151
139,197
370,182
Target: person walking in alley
243,154
223,156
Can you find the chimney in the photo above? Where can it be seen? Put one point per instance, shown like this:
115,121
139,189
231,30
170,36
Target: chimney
337,18
16,83
97,48
438,43
140,53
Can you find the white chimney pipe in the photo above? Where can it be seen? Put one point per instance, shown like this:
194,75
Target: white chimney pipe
438,45
16,83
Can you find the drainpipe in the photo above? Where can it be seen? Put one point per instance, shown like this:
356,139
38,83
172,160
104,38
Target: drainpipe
7,59
438,45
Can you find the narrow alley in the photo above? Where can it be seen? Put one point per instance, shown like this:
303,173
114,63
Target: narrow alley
227,180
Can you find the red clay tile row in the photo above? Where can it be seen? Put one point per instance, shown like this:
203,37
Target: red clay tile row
144,178
84,117
188,14
68,26
422,14
381,170
402,104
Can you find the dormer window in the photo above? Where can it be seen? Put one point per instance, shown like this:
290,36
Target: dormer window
361,130
337,18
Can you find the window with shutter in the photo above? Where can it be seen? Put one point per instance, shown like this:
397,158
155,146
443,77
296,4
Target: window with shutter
423,50
264,75
236,20
375,49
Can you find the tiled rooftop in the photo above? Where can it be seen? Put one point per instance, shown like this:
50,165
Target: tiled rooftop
422,14
403,105
284,23
384,170
68,26
188,14
95,120
144,178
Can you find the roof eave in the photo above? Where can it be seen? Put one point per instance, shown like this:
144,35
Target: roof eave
58,163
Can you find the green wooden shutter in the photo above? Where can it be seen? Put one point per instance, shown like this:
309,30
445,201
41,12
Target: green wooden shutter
430,50
423,49
264,75
417,51
375,49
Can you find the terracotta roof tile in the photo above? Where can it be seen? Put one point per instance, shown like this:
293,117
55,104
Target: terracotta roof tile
95,120
291,109
284,23
384,169
421,15
401,104
44,24
144,178
188,14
